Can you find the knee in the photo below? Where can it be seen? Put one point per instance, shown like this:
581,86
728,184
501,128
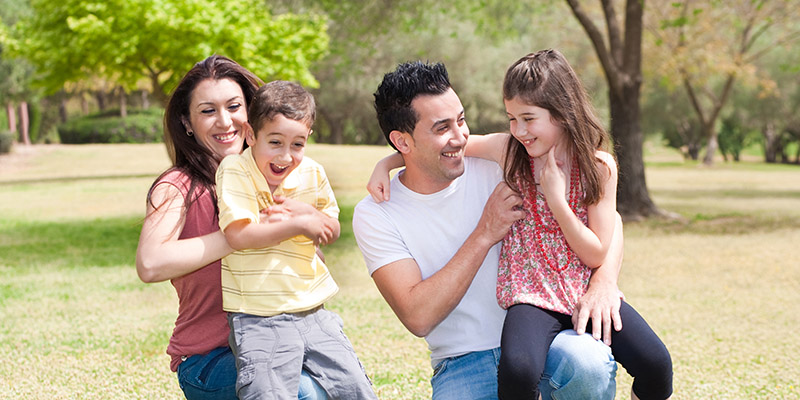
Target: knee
519,370
581,367
654,378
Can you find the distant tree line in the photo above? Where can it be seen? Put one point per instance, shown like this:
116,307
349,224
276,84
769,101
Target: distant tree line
706,77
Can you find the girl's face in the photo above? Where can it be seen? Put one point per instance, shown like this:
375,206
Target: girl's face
216,113
534,128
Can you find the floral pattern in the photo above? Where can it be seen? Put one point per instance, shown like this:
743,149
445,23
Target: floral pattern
524,276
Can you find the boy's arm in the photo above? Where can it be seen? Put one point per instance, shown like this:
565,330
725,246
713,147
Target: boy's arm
378,184
244,234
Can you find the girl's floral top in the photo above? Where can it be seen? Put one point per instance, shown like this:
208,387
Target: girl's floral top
525,277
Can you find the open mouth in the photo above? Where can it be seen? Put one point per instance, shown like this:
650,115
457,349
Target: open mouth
225,137
452,154
277,170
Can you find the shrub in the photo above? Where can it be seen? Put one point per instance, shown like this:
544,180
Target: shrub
6,139
140,126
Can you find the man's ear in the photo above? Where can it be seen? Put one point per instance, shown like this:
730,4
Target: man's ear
402,141
249,134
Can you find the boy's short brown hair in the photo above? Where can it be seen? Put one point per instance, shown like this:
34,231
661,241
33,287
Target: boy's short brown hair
281,97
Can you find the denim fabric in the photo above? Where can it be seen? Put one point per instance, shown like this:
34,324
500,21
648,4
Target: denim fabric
577,367
213,377
469,376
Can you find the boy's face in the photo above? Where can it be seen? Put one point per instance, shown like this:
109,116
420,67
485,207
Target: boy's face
278,147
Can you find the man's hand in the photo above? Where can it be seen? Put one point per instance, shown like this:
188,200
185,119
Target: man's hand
500,212
600,303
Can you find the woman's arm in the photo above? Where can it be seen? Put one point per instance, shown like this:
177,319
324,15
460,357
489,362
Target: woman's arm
161,255
589,243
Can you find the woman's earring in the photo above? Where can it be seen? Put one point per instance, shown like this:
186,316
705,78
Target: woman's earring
189,133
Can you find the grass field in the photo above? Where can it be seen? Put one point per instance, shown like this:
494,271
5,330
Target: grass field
721,286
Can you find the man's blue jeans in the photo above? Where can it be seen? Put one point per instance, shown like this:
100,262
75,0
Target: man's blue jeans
578,367
213,377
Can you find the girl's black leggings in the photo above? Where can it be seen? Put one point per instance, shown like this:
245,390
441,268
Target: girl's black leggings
528,331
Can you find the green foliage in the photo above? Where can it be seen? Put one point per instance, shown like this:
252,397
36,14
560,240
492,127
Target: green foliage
6,141
140,126
733,138
125,42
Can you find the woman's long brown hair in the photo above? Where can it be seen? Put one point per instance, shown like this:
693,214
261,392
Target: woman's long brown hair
188,156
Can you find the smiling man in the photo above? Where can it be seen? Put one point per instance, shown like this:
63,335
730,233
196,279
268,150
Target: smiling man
433,248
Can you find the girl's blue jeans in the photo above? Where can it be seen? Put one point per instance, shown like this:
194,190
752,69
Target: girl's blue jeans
578,367
213,377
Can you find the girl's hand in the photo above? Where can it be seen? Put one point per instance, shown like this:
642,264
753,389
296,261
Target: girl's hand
553,179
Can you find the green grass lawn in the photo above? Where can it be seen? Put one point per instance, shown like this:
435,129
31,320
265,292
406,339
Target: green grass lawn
721,286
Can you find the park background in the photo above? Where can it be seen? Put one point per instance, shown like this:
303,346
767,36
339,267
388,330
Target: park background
708,147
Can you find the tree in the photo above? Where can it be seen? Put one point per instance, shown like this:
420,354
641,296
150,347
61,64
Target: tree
620,54
124,42
709,46
15,75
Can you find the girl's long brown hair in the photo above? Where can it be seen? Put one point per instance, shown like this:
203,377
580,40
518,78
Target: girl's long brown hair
545,79
188,156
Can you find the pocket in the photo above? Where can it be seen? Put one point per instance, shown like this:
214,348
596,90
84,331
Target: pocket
439,369
245,378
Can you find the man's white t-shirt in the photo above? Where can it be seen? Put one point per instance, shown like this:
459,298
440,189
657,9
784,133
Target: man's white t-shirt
430,229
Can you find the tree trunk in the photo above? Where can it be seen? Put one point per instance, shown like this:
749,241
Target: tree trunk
62,109
620,54
633,198
145,100
101,99
12,117
711,147
771,143
123,103
24,123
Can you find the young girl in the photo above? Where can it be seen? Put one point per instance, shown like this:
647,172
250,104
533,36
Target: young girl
568,184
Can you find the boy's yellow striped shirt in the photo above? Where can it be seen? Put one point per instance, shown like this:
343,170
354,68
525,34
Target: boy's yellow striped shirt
286,278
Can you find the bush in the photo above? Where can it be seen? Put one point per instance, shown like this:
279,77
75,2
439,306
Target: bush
140,126
6,140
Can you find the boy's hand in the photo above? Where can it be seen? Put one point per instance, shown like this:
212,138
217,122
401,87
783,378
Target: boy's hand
319,228
378,185
290,207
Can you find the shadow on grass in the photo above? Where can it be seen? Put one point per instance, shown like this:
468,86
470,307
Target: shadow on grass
100,243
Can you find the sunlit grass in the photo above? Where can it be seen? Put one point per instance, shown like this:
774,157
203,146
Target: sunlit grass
720,286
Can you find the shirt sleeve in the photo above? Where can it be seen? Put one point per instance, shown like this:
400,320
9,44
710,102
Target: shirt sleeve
377,236
236,193
326,201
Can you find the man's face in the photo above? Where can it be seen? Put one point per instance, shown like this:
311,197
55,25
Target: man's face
437,144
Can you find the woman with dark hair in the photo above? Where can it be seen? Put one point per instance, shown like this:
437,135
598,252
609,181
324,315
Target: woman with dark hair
180,238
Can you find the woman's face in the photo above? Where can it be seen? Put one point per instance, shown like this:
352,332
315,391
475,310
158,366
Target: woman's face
216,113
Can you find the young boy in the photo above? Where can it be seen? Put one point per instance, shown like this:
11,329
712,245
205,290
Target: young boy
275,284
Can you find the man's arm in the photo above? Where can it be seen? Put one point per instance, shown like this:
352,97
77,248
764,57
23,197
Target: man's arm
421,304
602,299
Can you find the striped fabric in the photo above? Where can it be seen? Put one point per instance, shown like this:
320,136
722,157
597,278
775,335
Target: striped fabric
286,278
